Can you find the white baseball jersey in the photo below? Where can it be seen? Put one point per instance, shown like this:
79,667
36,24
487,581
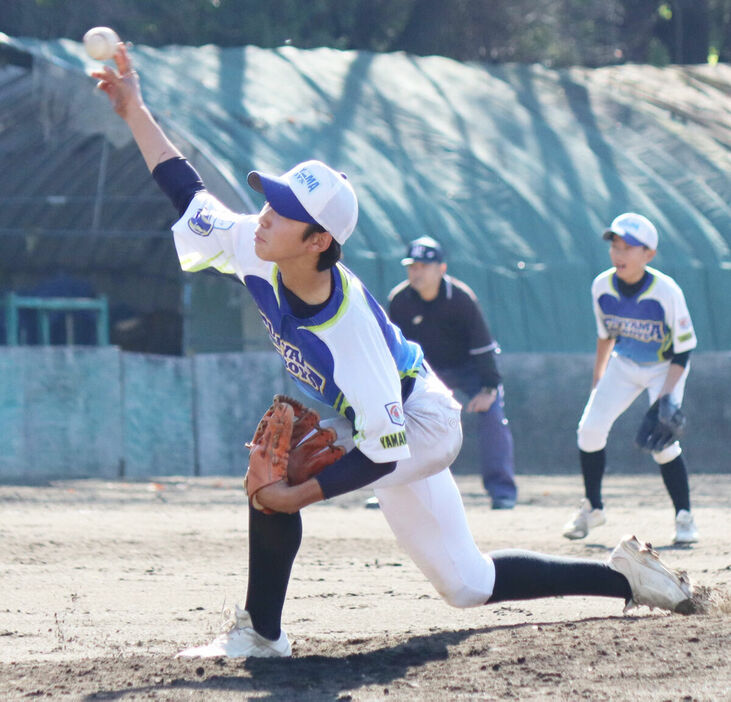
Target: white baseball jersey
649,327
351,357
324,354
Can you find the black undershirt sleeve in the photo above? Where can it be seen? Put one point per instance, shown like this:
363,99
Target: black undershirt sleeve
179,181
681,359
354,470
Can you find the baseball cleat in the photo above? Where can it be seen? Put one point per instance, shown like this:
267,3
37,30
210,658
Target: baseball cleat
584,520
503,503
239,640
651,581
685,529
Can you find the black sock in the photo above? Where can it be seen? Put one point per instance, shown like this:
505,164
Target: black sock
524,575
675,477
592,468
274,540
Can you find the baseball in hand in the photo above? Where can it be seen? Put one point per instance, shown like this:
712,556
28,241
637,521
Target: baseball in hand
101,43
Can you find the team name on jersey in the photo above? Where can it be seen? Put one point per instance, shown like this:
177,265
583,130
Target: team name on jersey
292,357
392,440
646,330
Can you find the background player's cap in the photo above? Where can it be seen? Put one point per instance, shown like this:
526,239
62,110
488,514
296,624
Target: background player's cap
635,229
311,192
424,249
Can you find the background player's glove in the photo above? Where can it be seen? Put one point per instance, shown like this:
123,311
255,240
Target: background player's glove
269,450
662,425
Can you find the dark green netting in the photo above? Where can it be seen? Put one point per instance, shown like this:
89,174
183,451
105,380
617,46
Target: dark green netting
515,169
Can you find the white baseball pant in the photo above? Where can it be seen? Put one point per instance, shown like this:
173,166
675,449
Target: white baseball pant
421,501
617,389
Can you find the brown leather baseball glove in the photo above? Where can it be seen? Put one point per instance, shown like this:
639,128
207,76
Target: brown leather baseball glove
312,448
305,447
269,450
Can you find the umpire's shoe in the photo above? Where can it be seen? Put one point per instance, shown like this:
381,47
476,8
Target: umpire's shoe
651,581
585,519
239,640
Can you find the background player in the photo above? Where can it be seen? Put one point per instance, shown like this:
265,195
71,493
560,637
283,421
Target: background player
442,314
645,338
399,422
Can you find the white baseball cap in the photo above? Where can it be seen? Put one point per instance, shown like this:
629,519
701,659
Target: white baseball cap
633,228
311,192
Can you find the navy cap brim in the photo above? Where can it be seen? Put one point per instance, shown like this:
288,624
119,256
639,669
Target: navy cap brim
280,196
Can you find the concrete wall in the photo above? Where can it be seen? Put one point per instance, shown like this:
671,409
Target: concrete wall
545,395
99,412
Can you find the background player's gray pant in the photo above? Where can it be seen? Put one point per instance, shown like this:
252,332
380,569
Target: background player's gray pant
617,389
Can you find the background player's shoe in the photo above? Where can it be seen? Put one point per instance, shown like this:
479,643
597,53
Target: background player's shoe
685,529
652,582
585,519
239,640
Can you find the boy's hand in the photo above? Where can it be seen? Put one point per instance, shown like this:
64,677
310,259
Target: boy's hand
121,86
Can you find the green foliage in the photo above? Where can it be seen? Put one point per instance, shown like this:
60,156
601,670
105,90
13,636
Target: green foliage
665,11
556,32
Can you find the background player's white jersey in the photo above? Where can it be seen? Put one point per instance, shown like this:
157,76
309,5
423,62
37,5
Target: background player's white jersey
649,326
318,352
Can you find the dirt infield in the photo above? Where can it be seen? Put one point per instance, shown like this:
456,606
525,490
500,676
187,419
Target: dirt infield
102,583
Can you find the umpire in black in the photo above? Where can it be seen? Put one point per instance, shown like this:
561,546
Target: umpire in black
442,314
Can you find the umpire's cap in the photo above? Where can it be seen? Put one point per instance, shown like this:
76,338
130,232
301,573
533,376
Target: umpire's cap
424,249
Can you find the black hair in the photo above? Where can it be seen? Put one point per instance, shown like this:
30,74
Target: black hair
331,255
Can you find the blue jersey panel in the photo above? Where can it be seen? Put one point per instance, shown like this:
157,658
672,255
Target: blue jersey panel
649,326
408,355
306,358
638,326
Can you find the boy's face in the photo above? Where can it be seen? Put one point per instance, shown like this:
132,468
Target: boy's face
630,261
278,238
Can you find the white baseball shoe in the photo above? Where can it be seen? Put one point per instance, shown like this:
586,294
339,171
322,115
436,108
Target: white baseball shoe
239,640
585,519
685,529
651,581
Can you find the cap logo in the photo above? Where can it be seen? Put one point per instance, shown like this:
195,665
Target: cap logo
306,178
420,251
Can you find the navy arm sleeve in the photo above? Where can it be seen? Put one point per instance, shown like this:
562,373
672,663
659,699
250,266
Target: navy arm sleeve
681,359
179,181
354,470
